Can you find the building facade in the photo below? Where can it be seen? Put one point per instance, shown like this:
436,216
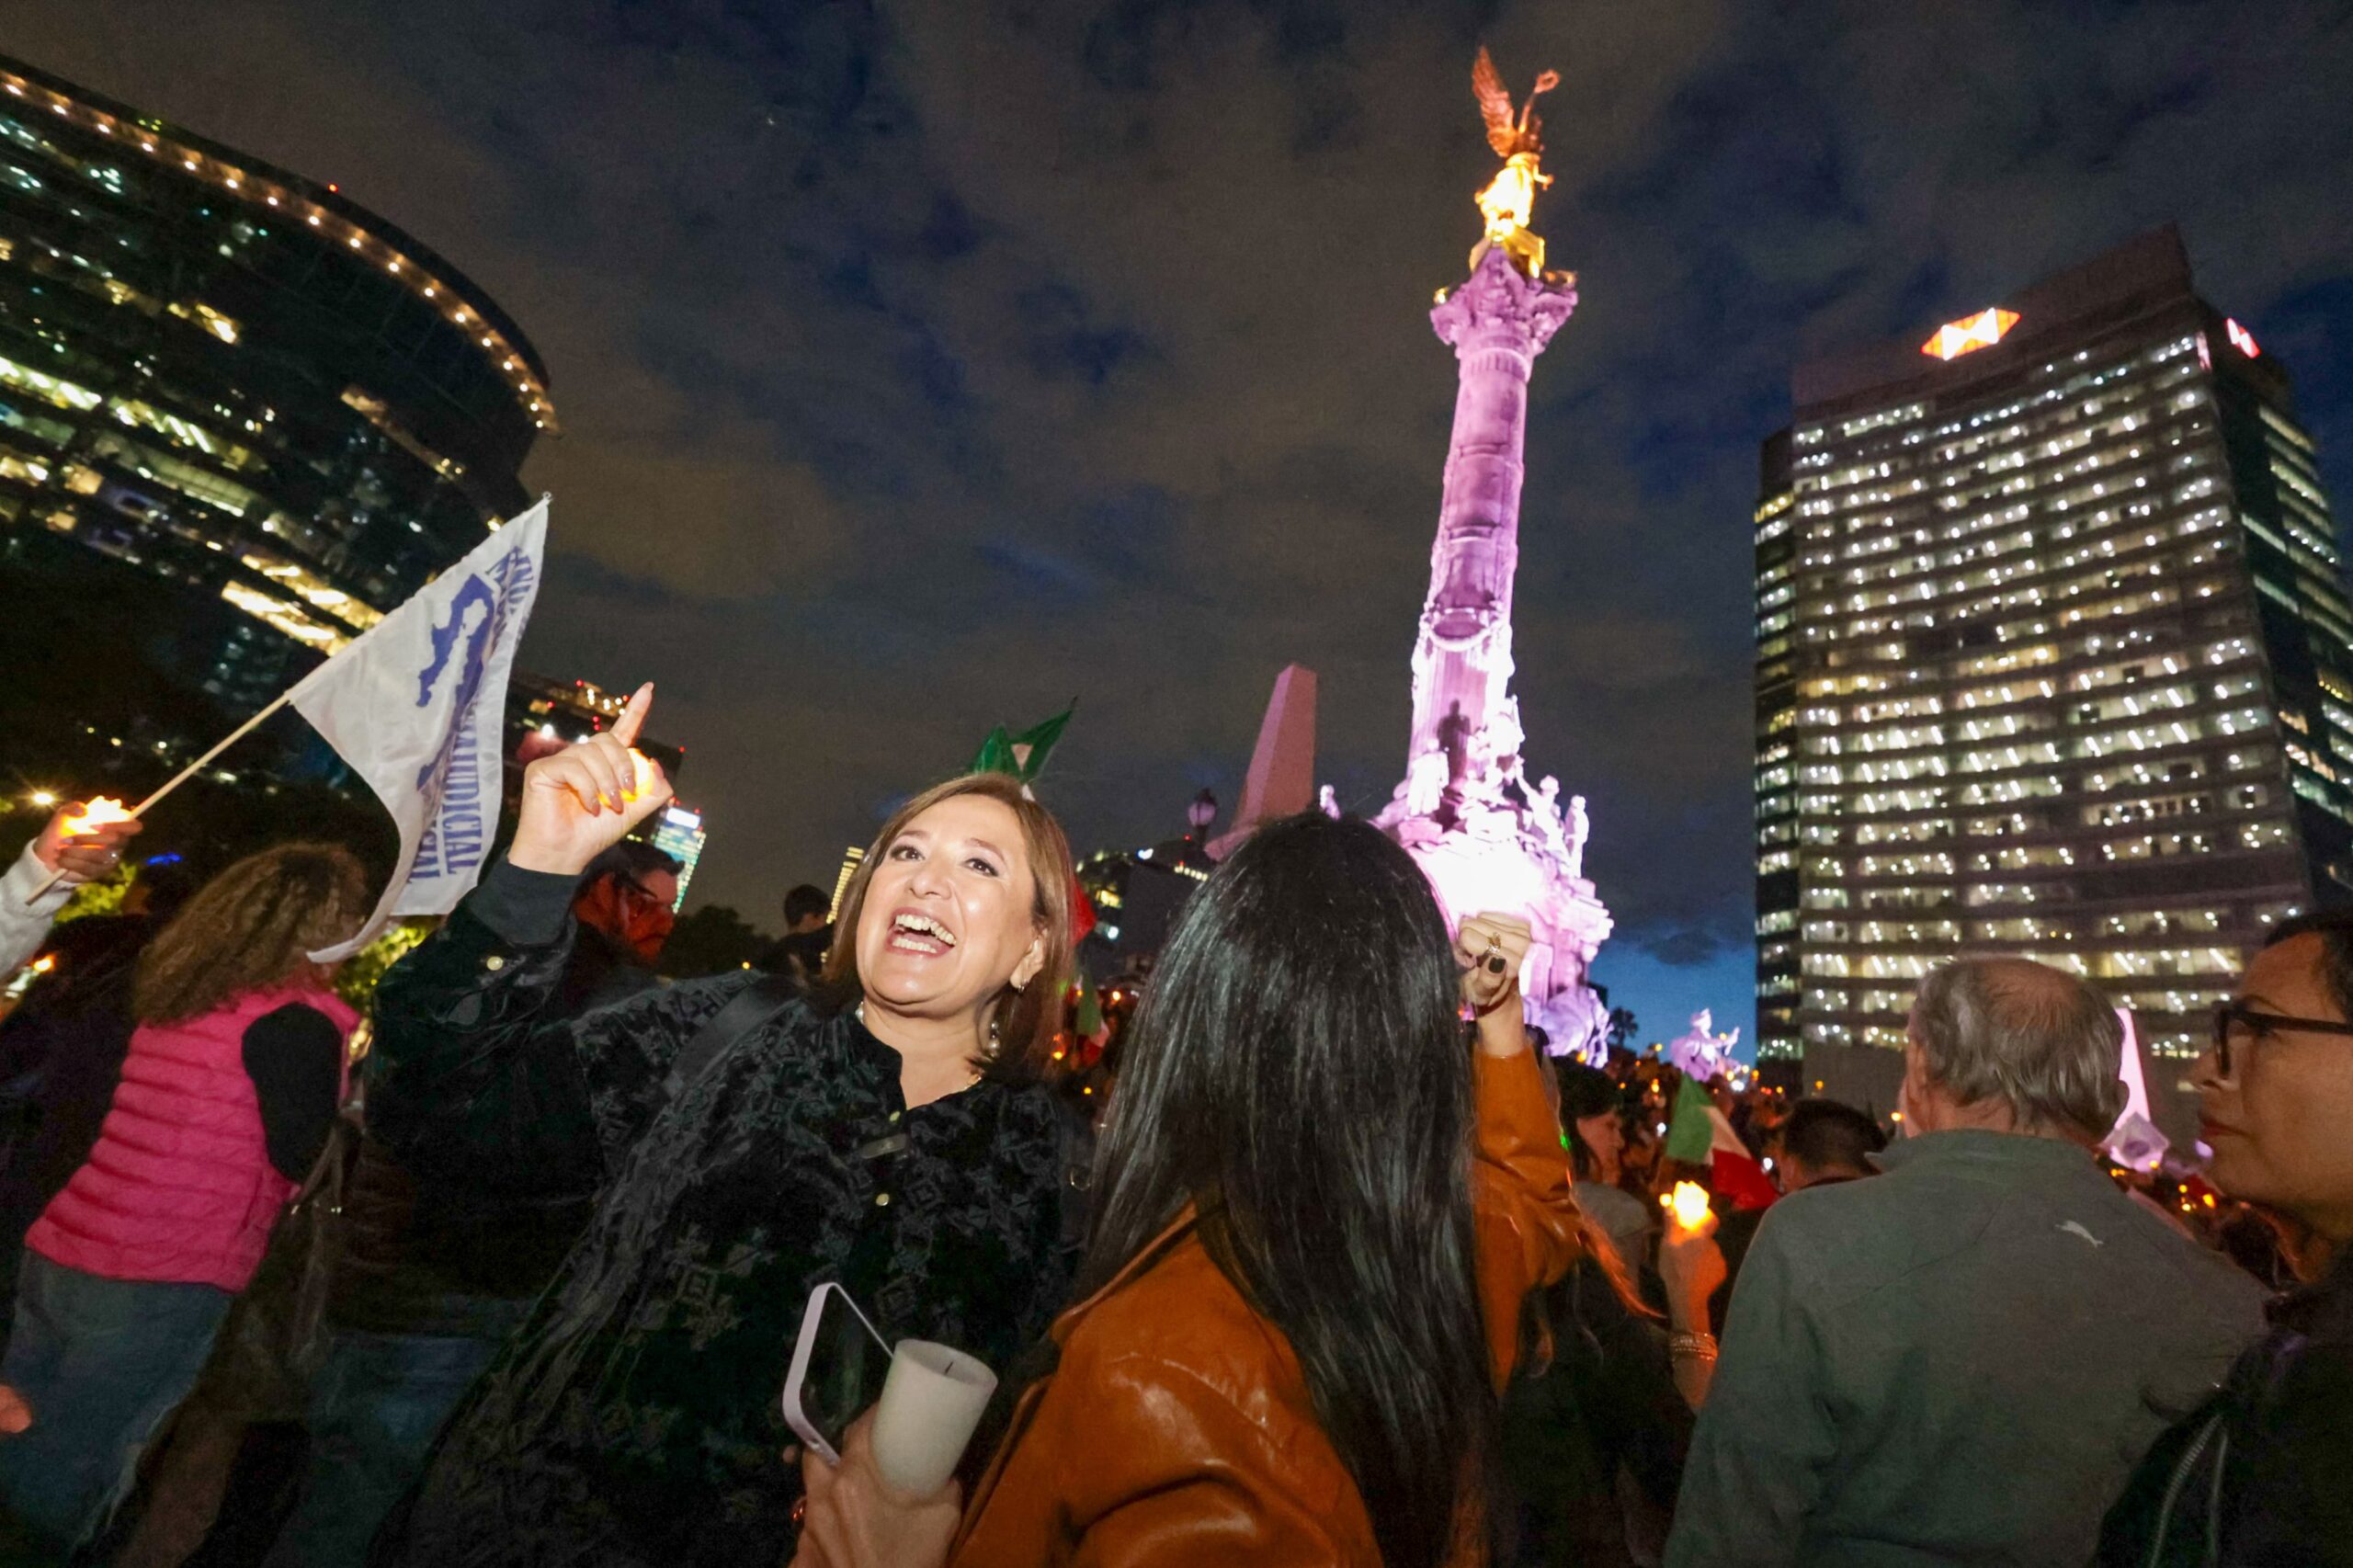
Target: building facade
232,378
2054,658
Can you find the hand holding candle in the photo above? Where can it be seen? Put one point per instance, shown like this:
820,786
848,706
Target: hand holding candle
83,843
99,813
858,1518
1690,1264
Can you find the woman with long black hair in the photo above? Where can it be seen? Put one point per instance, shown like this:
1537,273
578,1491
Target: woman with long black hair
1318,1208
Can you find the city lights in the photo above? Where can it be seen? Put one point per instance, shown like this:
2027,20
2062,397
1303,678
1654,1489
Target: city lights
193,161
2006,658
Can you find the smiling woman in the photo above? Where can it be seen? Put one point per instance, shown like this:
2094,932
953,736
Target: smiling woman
889,1134
964,901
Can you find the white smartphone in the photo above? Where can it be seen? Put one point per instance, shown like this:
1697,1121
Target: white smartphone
839,1364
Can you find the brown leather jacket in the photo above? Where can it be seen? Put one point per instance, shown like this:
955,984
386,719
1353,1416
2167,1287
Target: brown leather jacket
1177,1428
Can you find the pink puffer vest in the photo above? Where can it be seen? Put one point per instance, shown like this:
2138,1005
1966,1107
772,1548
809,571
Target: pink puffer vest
179,1187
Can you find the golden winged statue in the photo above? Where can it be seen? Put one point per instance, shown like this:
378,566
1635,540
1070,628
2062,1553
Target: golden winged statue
1510,197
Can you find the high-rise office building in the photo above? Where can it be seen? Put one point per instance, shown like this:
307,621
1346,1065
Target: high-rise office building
2054,658
235,379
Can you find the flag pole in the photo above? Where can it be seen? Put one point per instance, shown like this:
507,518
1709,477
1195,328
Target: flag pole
232,738
185,773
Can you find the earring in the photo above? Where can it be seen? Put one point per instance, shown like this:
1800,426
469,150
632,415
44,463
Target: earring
995,1044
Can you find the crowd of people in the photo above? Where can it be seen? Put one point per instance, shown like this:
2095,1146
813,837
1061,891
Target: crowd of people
1327,1262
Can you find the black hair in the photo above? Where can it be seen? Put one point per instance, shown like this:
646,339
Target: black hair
2334,929
804,901
1298,1072
1829,1135
631,860
1584,1091
168,881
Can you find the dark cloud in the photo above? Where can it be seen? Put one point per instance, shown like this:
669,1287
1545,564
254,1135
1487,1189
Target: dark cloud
922,365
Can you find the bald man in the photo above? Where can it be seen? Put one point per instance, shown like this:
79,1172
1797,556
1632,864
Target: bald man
1960,1360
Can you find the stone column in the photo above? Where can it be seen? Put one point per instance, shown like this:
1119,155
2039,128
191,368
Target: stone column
1497,322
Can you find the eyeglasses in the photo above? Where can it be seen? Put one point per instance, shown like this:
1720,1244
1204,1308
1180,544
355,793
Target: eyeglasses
2237,1020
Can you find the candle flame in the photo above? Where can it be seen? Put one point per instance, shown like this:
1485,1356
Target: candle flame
642,775
98,813
1689,1205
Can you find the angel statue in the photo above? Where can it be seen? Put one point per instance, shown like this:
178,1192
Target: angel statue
1510,197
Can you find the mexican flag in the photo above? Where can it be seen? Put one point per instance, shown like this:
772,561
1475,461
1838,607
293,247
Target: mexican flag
1699,1135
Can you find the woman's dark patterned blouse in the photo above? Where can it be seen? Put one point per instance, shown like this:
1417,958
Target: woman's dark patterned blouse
635,1420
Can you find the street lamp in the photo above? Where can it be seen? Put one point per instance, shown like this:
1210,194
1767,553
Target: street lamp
1201,813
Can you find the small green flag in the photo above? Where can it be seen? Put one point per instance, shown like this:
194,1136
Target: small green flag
1023,755
1691,1135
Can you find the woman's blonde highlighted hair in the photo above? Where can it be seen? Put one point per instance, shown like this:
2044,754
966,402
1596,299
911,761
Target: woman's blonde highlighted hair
256,925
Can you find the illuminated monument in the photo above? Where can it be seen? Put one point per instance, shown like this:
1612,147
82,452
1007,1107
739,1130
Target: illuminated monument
1488,839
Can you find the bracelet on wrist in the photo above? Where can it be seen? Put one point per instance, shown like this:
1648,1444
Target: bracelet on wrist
1691,1342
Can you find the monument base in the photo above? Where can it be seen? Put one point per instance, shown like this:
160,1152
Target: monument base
1505,851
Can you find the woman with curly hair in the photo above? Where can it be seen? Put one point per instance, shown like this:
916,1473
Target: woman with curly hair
230,1088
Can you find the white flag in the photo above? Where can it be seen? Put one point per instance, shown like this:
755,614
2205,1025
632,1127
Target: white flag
418,707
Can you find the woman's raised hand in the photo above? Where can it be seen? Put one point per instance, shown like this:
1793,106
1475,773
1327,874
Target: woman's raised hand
1490,947
584,799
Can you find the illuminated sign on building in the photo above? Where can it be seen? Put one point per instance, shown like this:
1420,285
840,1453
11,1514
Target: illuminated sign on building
1969,333
680,836
2241,339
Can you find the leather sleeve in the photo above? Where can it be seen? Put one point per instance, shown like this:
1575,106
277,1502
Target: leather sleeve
1134,1484
1527,1213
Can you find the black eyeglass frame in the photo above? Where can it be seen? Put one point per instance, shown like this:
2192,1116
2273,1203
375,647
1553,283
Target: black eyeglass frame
2263,1023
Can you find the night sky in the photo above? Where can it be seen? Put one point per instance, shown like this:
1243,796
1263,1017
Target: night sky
923,366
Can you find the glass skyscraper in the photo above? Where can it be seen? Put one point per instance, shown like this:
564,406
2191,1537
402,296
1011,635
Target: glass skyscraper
235,379
2053,657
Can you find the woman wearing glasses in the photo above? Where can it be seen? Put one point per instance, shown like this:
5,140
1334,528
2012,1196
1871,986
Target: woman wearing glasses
2259,1475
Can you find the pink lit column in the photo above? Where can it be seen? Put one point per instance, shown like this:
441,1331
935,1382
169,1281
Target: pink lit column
1488,839
1499,321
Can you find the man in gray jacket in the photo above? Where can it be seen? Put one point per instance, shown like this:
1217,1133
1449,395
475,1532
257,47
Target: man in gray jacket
1961,1360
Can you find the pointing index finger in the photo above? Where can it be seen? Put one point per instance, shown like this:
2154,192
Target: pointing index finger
632,717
